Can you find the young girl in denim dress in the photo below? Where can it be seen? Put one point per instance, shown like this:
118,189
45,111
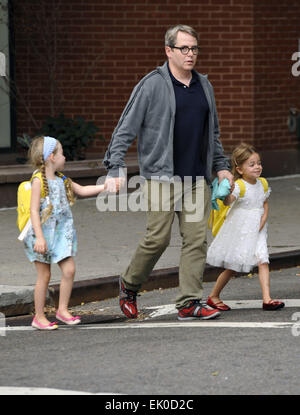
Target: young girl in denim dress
51,237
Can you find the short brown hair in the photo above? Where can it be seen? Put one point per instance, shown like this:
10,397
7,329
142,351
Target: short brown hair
171,34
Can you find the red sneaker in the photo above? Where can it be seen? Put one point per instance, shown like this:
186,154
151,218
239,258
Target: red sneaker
197,311
128,301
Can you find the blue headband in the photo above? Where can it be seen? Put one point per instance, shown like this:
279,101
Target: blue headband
49,146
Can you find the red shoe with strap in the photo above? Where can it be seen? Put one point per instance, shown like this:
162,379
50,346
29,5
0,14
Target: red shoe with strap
273,305
219,305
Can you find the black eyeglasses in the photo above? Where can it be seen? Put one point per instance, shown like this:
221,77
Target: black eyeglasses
185,49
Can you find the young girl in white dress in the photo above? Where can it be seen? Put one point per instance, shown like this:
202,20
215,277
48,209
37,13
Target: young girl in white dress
241,243
52,237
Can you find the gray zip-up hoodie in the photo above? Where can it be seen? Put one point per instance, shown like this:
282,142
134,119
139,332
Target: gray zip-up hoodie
150,115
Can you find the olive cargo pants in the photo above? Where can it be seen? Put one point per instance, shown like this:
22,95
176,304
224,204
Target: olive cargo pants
192,208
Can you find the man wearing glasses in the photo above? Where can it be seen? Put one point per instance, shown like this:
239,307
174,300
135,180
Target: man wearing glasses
172,111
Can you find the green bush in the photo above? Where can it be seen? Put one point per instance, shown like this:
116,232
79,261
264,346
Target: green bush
75,134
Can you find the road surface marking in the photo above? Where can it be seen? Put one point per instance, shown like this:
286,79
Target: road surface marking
168,309
156,325
16,390
191,323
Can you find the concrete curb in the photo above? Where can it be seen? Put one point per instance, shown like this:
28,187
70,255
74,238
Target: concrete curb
19,300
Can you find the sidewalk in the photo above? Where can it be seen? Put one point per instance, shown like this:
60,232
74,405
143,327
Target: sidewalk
107,240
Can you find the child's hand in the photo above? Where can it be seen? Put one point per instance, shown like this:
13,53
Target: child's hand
225,174
264,216
263,221
40,246
113,184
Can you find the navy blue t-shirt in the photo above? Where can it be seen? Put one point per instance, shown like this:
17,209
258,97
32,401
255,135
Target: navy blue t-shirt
190,130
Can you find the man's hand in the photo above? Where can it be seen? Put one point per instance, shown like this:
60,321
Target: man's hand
225,174
114,184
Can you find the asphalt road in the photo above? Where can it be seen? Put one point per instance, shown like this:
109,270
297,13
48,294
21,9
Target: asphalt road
246,351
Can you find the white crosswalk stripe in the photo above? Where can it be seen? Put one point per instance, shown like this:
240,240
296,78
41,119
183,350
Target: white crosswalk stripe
19,390
234,304
169,309
171,324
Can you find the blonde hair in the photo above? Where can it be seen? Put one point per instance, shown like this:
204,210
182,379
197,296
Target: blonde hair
239,155
37,160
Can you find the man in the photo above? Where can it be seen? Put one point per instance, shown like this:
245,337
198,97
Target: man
172,111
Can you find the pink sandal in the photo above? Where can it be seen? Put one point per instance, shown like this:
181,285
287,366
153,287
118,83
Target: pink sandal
70,321
39,326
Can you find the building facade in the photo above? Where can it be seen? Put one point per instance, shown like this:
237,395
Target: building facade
83,57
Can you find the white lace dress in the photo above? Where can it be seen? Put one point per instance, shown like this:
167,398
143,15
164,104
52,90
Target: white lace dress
239,245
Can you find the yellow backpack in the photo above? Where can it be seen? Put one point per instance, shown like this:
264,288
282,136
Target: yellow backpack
24,198
217,217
